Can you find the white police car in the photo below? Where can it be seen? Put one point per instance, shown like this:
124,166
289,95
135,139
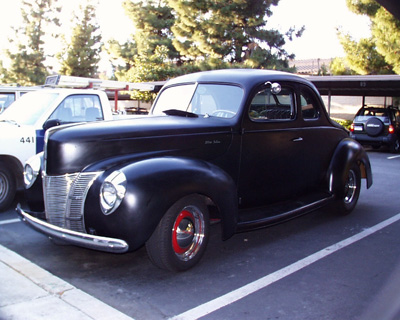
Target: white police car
24,122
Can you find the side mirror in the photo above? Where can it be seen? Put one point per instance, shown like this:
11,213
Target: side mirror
275,87
51,123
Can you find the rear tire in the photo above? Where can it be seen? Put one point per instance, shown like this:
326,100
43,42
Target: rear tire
395,146
8,187
181,237
347,201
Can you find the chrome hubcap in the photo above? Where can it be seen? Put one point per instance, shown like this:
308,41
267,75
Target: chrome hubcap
188,233
350,187
3,186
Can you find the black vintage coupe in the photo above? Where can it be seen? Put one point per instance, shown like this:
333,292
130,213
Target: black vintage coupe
247,148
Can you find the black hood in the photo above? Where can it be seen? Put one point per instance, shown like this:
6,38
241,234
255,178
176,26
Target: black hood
70,149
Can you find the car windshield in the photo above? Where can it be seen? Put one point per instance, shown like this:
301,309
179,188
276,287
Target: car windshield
218,100
27,109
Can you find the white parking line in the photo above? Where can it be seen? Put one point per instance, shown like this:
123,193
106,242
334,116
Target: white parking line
9,221
393,157
259,284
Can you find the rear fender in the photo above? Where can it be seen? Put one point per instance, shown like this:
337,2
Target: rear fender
347,153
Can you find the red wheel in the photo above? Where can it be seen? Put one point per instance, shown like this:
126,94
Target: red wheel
181,237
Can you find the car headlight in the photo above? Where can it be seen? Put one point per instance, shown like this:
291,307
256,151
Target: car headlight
32,169
112,192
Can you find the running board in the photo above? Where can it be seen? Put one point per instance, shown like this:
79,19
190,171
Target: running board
256,218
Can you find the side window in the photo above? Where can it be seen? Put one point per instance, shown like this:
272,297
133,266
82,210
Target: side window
266,106
5,100
79,108
308,104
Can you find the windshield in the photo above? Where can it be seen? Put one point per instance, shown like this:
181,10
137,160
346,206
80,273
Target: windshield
27,109
218,100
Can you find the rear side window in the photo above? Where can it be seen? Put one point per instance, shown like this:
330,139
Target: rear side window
266,106
308,104
5,100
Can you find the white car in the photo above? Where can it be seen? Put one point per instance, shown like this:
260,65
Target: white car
8,94
23,124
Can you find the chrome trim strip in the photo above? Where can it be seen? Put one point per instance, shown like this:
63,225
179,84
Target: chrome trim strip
72,237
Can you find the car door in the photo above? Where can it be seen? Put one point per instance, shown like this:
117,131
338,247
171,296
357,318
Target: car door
288,142
319,139
271,158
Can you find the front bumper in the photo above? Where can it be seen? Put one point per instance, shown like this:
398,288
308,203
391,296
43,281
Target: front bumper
72,237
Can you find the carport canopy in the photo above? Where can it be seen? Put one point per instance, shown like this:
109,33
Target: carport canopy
365,86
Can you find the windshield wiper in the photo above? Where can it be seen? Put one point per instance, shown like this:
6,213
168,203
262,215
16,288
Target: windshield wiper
180,113
10,121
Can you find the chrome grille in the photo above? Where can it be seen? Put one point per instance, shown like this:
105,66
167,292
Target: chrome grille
64,198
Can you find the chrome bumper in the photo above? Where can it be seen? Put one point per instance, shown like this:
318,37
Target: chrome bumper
72,237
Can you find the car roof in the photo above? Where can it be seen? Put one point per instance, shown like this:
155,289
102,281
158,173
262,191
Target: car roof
243,77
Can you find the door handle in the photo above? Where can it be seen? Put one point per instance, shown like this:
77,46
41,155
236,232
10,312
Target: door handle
297,139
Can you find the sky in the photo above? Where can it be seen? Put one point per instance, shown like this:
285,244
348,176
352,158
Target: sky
321,18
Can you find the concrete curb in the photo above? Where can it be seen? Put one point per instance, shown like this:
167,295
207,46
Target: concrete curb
30,292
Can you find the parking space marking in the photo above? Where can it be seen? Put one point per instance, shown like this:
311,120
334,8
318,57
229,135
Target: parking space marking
9,221
240,293
393,157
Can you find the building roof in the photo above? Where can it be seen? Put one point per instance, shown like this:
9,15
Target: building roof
310,66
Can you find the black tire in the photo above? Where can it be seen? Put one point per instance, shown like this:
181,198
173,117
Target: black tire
347,201
395,146
8,187
374,127
179,249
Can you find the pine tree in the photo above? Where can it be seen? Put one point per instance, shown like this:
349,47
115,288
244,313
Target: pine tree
385,39
82,55
28,60
233,31
363,57
153,21
122,56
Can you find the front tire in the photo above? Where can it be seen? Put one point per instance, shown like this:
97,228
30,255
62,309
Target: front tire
181,237
8,187
347,200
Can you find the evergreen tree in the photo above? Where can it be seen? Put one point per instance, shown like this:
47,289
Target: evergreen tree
122,56
385,40
153,21
339,66
234,31
82,55
28,60
149,68
203,35
362,56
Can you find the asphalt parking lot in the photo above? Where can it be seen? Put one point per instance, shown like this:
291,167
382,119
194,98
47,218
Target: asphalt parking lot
319,266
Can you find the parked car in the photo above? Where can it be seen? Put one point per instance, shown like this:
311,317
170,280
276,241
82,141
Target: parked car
23,124
248,148
10,93
65,100
377,127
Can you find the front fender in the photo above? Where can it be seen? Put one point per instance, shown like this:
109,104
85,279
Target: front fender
153,186
347,153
